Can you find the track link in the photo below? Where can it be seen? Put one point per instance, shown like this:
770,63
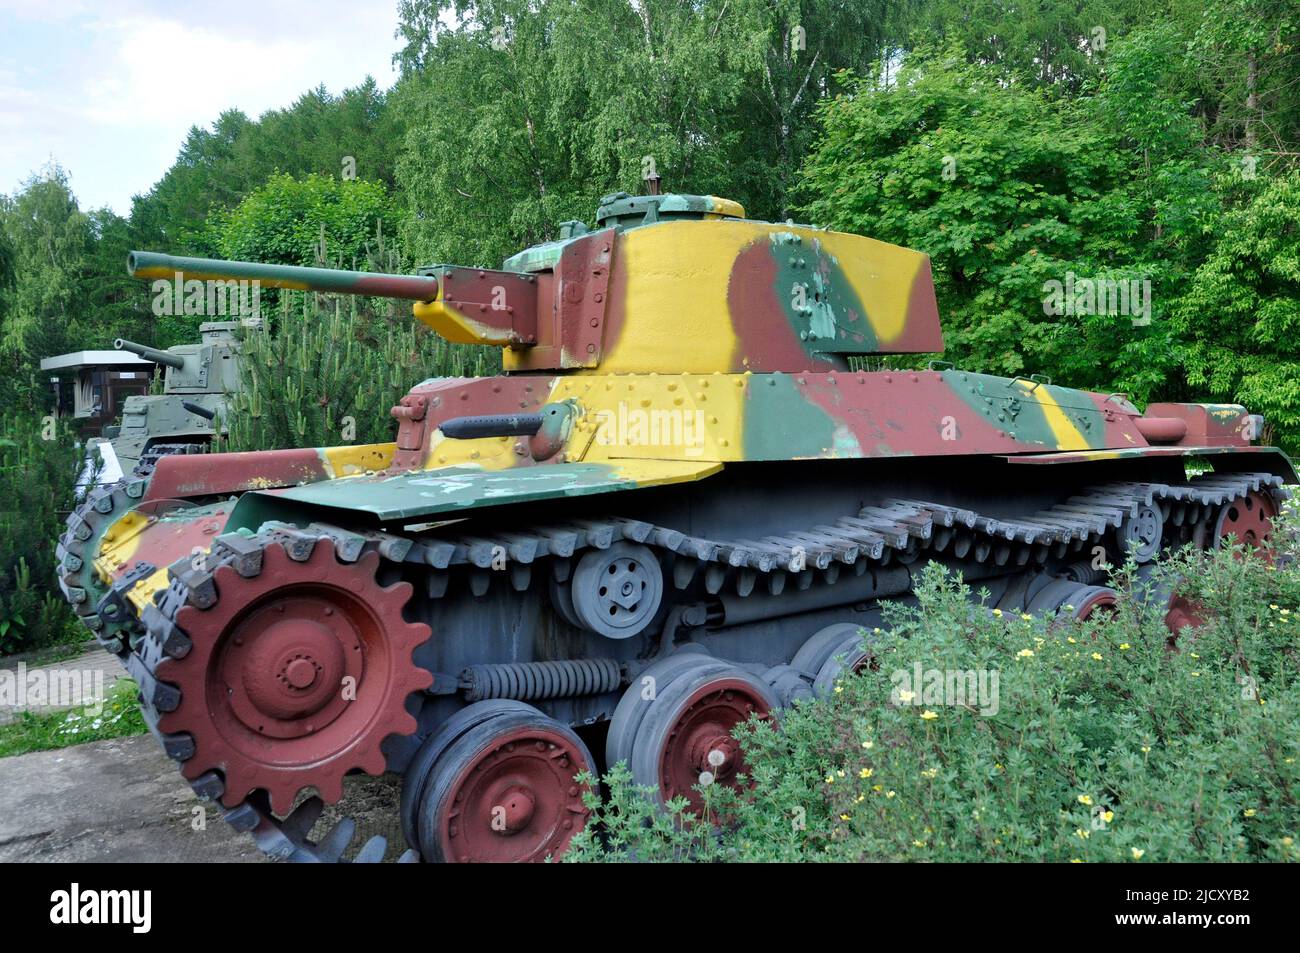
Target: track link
75,553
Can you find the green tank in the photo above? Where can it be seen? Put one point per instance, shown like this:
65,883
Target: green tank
199,379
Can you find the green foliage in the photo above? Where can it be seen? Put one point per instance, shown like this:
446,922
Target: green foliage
48,238
1009,189
1104,746
316,220
218,167
1239,321
37,477
322,377
63,284
522,114
1006,191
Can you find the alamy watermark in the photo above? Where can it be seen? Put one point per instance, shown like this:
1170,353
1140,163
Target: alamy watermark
22,689
960,688
1130,297
637,427
212,298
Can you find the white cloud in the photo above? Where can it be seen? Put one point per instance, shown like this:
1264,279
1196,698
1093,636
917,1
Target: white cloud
111,93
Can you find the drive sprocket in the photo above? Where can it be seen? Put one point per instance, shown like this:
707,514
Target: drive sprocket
291,677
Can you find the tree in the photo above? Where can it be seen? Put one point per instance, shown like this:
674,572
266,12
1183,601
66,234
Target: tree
1006,193
315,220
522,114
352,134
49,238
1239,321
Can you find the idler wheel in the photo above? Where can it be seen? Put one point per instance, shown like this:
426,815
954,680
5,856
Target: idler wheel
1247,521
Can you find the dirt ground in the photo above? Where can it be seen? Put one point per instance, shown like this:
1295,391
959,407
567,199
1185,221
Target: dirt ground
124,801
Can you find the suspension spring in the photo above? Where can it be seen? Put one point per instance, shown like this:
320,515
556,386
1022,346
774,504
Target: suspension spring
530,681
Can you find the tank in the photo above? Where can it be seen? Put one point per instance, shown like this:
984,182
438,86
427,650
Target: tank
681,505
198,379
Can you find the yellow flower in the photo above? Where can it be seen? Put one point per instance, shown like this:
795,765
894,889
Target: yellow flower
830,779
998,613
844,817
1038,640
1108,816
1194,655
1085,799
866,773
891,794
1272,606
1146,749
860,799
918,843
1250,812
1124,646
1137,852
1025,653
868,744
906,697
1075,860
1082,834
1196,674
1287,841
877,788
839,689
1096,656
1286,611
840,773
930,773
928,715
1027,617
1070,639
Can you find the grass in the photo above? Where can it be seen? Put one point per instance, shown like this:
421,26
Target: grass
119,717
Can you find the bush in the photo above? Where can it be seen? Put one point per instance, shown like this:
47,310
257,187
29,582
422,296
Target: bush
37,480
1105,744
322,377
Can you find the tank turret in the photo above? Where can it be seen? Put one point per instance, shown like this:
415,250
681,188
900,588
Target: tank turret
208,367
198,379
703,290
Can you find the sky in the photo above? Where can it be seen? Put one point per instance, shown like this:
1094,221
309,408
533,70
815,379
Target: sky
109,89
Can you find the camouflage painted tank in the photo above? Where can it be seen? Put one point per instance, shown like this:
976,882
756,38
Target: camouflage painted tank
182,419
680,506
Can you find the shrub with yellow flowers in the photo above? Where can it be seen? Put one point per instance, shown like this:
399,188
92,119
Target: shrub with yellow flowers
1108,740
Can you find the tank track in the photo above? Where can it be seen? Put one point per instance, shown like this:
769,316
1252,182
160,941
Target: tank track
75,554
899,531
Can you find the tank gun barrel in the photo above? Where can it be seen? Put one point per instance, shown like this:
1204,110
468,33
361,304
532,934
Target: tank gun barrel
152,265
150,353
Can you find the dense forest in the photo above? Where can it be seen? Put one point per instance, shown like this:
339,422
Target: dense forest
1151,142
